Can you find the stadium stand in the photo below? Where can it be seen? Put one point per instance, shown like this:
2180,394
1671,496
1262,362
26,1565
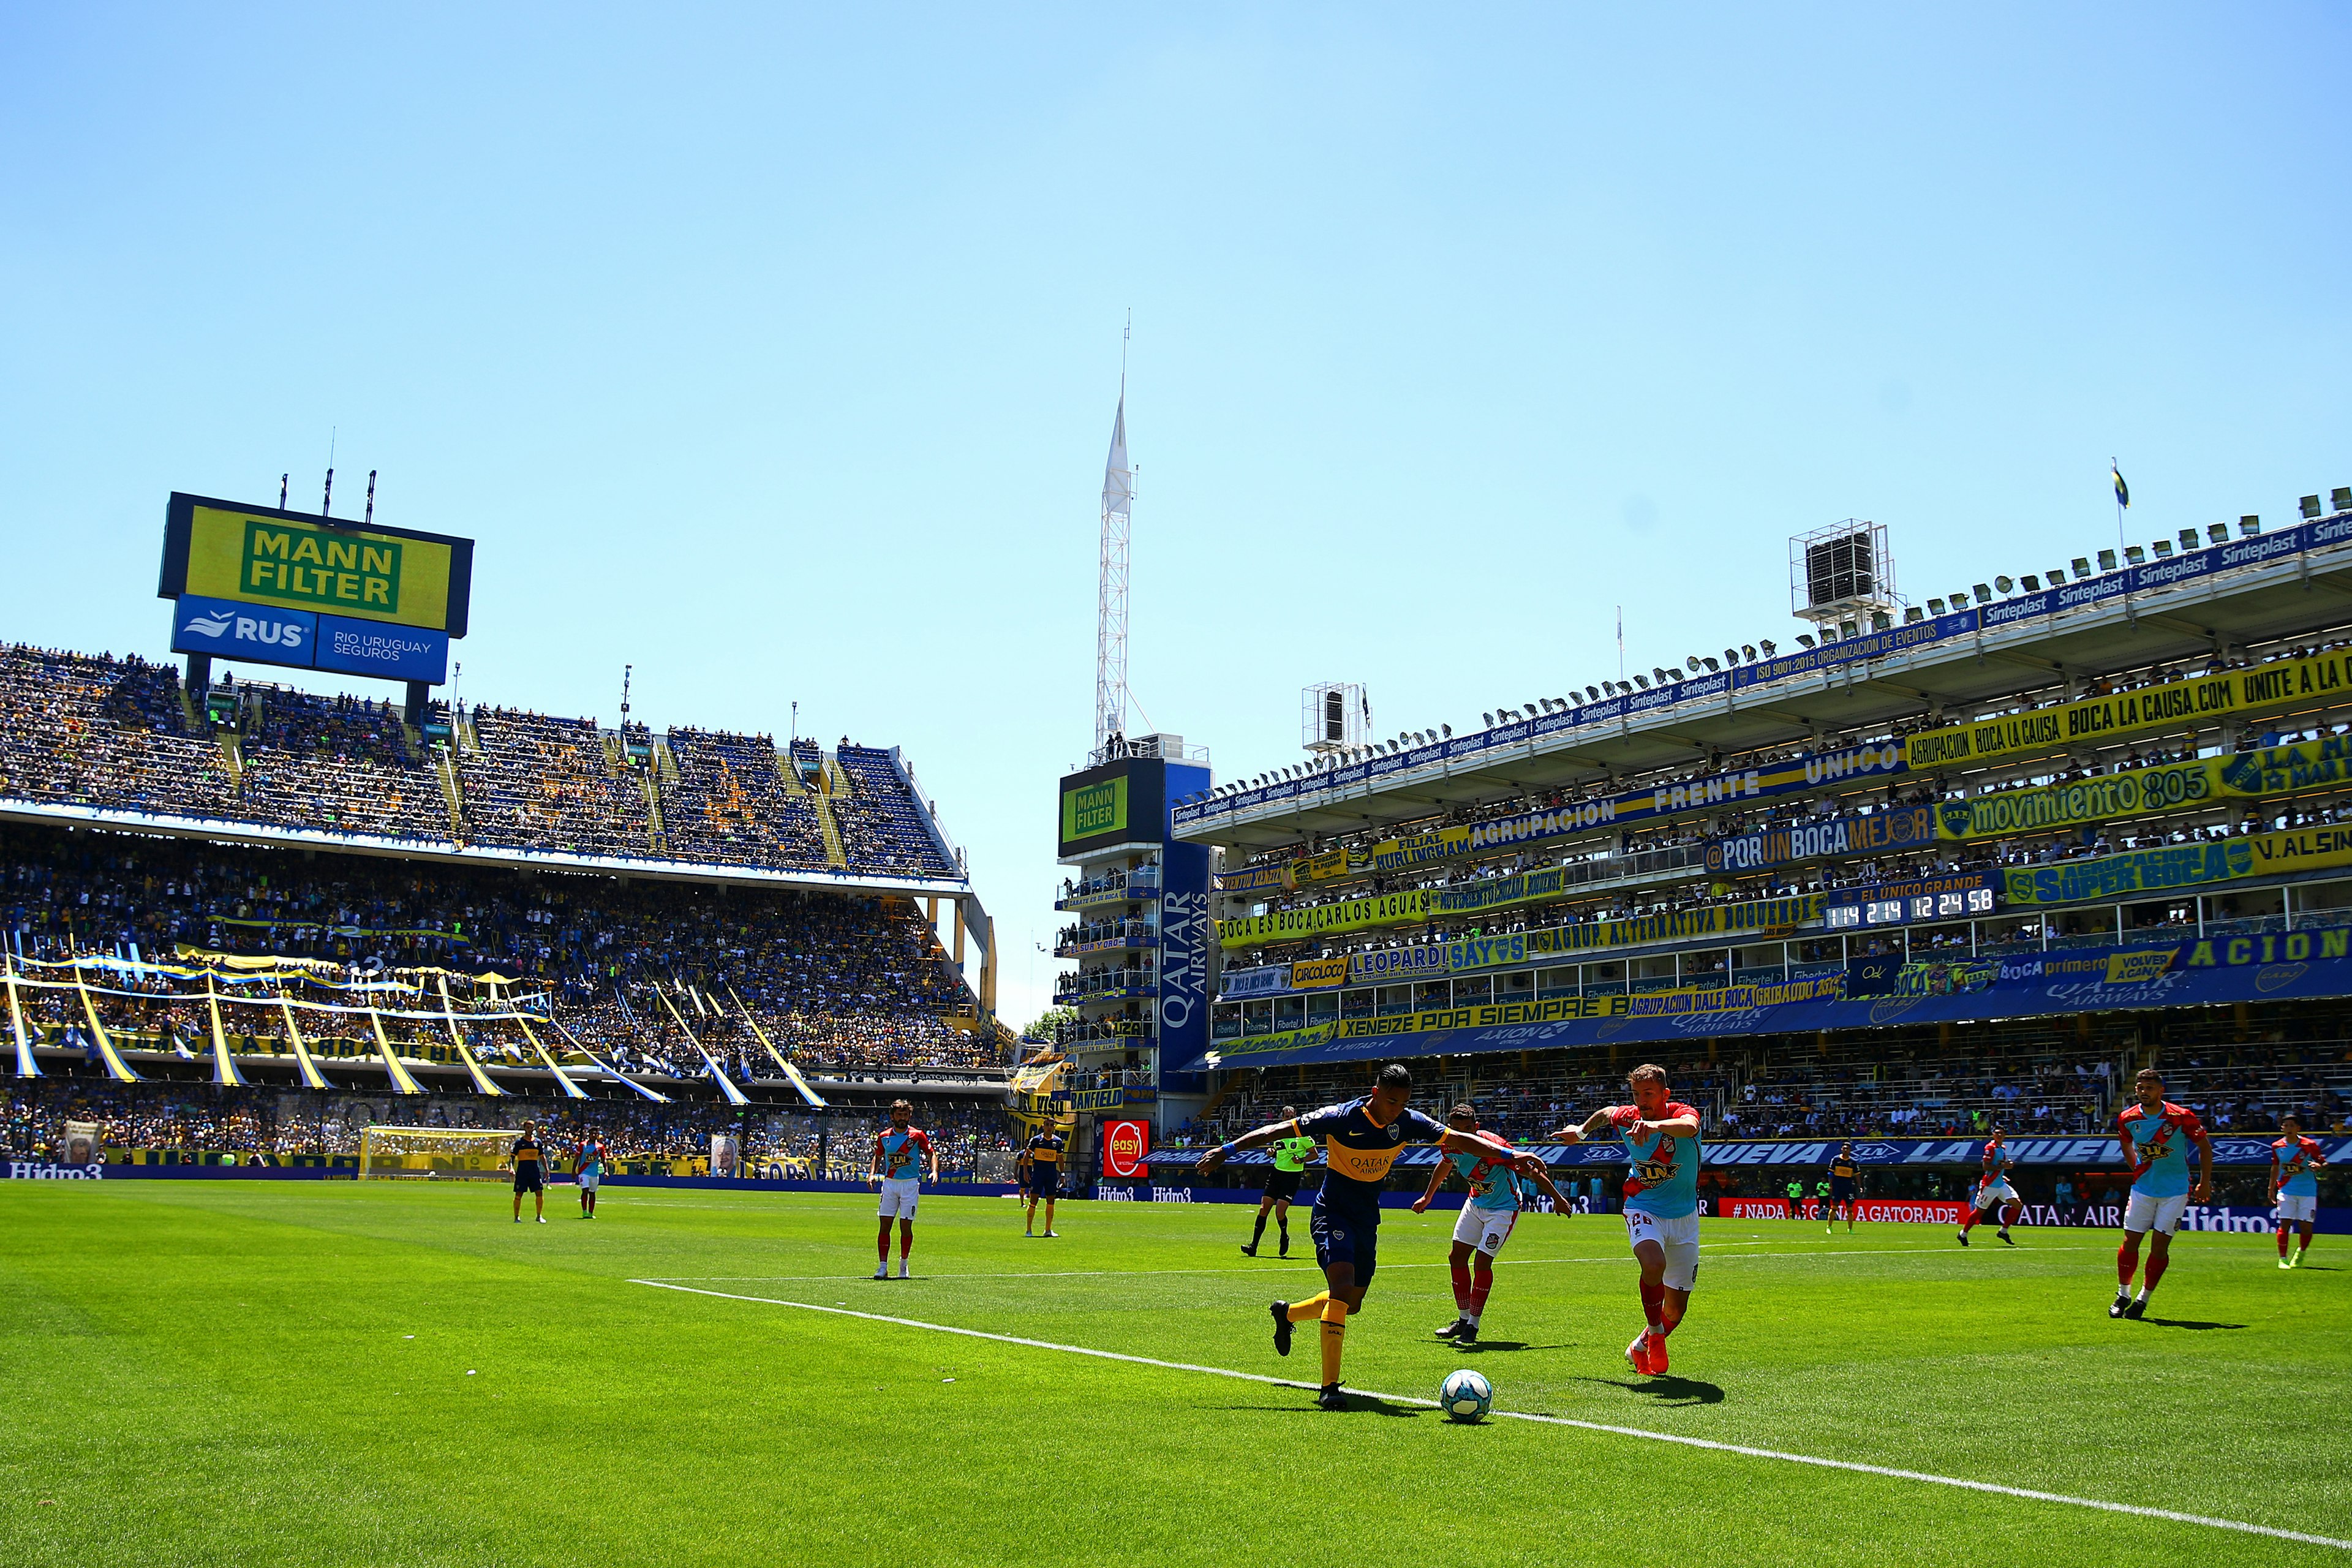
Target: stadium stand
119,734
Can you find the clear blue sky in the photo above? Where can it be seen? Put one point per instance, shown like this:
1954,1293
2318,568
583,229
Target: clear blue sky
775,352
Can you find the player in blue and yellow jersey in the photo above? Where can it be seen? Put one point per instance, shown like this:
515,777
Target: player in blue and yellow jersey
2157,1136
1662,1148
1361,1139
1497,1192
1846,1189
900,1153
2295,1188
1041,1160
1993,1195
529,1173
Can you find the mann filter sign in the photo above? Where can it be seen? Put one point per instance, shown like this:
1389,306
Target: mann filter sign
286,561
1094,809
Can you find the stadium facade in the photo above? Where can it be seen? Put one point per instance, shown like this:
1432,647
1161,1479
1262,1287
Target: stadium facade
1944,867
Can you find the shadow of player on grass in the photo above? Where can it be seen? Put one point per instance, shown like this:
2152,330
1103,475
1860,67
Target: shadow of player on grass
2197,1324
1666,1392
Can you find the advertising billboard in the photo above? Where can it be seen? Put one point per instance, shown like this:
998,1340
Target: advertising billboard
1122,802
1126,1150
288,560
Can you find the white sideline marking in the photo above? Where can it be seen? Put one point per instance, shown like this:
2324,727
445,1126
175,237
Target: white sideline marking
1740,1448
1307,1261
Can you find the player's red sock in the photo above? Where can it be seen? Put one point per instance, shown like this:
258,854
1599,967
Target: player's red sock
2157,1265
1968,1221
1462,1283
1653,1301
2127,1264
2303,1245
1481,1283
2283,1234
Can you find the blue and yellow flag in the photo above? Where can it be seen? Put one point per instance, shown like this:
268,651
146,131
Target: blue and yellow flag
2123,491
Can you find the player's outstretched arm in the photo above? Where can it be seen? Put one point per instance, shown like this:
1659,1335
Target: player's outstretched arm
1436,1180
1458,1142
1256,1138
1591,1126
1674,1126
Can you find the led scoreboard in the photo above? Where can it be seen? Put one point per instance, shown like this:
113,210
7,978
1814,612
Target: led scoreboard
1956,898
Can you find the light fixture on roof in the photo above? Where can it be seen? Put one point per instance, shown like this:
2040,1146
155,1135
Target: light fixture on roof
2219,532
2251,524
2106,560
1489,718
2187,540
2082,568
2162,547
1767,645
1804,639
1731,656
2057,578
2134,555
1712,666
1643,681
1935,607
1747,651
1592,694
1447,730
1912,613
2030,583
2004,584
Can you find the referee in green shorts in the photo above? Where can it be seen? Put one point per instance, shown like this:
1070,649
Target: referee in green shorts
1290,1156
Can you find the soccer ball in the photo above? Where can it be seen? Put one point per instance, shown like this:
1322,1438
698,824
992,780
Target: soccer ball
1465,1395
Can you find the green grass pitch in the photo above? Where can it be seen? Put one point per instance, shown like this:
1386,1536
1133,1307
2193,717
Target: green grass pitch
285,1374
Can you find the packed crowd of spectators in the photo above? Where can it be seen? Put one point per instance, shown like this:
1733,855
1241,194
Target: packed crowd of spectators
94,729
975,1139
841,980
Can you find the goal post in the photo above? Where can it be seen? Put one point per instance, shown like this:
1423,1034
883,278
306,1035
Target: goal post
459,1153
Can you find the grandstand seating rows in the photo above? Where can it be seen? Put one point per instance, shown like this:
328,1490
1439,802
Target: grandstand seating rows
837,980
97,730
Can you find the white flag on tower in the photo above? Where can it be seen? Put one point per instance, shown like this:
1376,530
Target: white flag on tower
1119,480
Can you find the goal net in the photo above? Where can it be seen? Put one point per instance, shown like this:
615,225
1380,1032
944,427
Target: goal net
447,1152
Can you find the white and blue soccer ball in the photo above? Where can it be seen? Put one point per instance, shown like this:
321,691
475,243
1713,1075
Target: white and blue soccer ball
1465,1395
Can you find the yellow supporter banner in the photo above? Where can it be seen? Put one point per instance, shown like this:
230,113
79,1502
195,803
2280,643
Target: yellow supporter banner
2179,866
1318,974
2175,705
313,567
1751,917
2139,791
1351,914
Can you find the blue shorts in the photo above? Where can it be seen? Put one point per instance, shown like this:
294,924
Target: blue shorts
1044,1181
1841,1191
1347,1236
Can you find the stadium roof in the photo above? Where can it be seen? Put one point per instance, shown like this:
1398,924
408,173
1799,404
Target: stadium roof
2253,590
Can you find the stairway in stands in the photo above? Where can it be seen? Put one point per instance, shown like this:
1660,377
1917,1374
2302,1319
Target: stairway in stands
832,781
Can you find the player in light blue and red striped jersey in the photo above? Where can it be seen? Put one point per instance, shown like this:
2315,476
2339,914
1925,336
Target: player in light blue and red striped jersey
2157,1136
1661,1138
2295,1188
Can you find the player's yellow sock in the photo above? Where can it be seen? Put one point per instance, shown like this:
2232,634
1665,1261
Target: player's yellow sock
1310,1307
1335,1335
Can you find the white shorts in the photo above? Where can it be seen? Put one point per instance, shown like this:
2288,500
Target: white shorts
589,1180
1485,1229
2298,1211
1678,1236
898,1196
1998,1192
2143,1212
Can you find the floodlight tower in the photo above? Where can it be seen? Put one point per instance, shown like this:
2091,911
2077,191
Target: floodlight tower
1842,578
1111,594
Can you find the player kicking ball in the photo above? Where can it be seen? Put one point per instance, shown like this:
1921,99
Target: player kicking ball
1662,1148
1044,1155
2157,1136
900,1150
1994,1195
1361,1139
2295,1188
1497,1192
